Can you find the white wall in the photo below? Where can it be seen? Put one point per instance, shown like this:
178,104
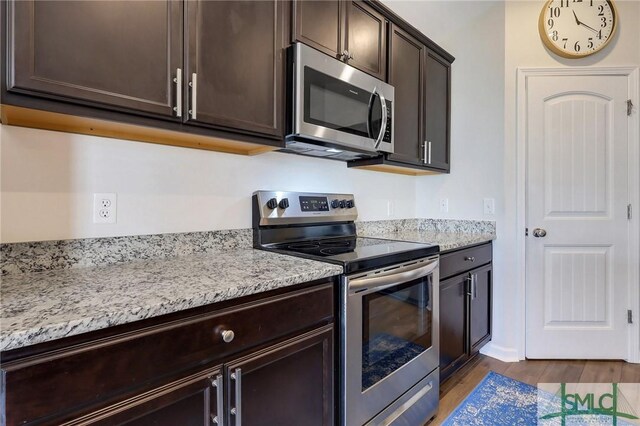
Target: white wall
472,31
523,48
48,178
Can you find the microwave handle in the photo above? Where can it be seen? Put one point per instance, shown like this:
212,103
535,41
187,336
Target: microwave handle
383,124
370,109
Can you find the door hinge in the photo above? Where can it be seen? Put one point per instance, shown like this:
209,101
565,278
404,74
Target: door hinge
526,232
629,106
629,211
630,316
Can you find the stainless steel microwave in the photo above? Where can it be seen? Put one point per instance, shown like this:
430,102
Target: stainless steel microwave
336,110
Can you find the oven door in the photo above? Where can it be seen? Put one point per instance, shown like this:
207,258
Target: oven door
390,336
336,102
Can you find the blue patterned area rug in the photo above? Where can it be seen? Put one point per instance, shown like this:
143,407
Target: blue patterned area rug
497,401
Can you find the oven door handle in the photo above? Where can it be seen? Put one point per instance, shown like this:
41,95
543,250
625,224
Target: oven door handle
398,276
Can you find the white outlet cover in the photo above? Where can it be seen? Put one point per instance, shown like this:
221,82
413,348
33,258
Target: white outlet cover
489,206
105,207
444,205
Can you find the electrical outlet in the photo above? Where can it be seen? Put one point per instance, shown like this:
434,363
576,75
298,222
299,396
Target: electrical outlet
104,208
444,205
489,206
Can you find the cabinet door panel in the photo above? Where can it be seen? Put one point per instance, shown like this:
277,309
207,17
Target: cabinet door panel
320,24
437,110
480,308
453,324
286,384
104,53
406,75
366,39
236,48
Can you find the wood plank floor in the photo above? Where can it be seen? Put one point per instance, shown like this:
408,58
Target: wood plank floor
456,389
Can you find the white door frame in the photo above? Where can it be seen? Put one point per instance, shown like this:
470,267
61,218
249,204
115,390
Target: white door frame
633,76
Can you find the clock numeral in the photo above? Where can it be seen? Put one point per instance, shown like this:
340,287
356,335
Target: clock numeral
576,46
550,23
600,10
554,36
591,3
600,35
604,22
577,1
565,42
564,3
590,44
554,12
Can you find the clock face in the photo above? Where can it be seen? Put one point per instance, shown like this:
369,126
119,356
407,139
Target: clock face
577,28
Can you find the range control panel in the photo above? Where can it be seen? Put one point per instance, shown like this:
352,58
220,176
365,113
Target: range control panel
282,207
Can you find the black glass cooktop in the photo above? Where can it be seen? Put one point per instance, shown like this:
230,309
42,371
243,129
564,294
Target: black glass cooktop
356,253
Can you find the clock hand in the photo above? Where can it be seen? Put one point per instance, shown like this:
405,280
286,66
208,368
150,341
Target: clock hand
576,16
592,29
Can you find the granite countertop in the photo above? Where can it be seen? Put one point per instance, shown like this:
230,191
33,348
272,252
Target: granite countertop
43,306
446,240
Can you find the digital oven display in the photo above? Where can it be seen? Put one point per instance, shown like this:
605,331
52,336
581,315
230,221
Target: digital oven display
314,204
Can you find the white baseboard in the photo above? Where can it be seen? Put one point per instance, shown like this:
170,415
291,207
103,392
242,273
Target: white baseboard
500,352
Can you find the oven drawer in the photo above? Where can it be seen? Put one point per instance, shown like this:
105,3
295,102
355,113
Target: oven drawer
464,260
100,371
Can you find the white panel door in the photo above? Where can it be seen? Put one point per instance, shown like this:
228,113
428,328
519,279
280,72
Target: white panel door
577,192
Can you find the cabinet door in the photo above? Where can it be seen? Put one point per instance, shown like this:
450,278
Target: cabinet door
480,308
320,24
191,401
406,75
286,384
236,52
101,53
453,324
437,111
366,39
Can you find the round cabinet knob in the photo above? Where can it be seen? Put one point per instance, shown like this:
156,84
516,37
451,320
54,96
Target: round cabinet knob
272,203
343,204
350,204
539,233
470,258
284,203
335,204
227,335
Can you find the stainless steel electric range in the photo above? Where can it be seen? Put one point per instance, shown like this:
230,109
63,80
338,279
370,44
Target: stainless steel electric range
388,304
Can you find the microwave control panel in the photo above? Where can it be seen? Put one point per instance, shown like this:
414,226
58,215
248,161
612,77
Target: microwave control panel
387,130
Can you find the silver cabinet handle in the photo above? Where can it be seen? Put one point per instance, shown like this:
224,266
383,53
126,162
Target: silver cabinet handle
228,335
474,287
539,233
178,81
346,55
470,258
429,152
424,152
219,417
469,290
194,95
236,376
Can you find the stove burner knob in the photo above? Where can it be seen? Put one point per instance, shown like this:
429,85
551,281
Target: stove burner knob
272,203
343,204
350,204
284,203
335,204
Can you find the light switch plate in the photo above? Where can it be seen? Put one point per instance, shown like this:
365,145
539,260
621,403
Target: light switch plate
489,206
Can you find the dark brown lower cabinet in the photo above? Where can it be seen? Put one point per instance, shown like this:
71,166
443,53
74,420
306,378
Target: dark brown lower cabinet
465,306
275,368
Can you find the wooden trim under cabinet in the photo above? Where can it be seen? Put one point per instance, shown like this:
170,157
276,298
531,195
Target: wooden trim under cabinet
26,117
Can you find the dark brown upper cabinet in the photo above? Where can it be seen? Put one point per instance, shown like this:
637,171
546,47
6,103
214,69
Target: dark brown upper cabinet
437,112
406,75
351,31
236,64
112,54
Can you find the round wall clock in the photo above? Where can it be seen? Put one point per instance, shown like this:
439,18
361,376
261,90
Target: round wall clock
577,28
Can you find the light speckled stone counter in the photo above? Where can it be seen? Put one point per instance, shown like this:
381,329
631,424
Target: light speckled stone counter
43,306
446,240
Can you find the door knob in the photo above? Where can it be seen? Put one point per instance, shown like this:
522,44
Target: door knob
539,233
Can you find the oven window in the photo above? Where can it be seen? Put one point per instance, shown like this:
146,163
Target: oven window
333,103
396,327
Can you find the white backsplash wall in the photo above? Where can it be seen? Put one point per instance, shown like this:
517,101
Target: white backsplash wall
48,180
